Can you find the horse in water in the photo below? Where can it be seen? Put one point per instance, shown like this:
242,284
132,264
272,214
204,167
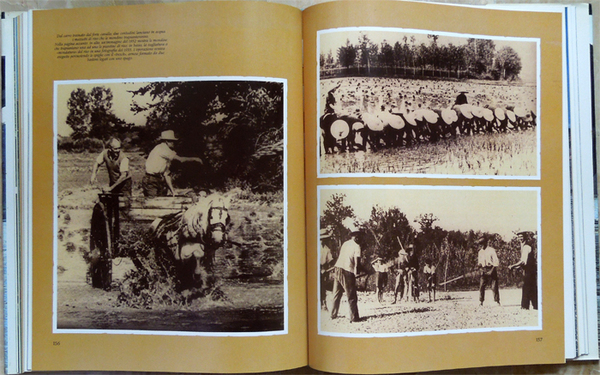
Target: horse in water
193,236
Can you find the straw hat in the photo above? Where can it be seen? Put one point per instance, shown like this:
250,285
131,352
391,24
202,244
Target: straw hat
325,233
168,135
348,223
340,129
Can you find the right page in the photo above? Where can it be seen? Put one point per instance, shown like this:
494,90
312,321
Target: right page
434,186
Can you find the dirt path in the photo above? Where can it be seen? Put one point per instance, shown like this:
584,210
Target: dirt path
451,311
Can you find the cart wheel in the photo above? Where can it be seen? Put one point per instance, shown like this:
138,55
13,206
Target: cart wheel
100,249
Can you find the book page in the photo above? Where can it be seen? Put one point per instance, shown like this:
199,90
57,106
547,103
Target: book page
168,188
434,151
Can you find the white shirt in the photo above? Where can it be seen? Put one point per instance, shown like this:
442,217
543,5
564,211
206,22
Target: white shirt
429,270
160,158
525,250
348,253
487,257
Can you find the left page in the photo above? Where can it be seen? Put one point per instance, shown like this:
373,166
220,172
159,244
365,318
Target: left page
167,168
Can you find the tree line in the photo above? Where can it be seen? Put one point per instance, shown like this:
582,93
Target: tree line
454,253
236,127
478,58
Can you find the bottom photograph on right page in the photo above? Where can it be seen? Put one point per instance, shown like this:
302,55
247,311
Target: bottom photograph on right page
426,260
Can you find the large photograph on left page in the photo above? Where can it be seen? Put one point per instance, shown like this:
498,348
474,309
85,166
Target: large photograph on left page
170,206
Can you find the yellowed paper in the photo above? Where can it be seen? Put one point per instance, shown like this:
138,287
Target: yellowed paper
374,174
244,47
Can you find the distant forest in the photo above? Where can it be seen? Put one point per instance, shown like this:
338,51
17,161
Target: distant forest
477,59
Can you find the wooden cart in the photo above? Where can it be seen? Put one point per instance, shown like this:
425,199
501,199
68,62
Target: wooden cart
109,214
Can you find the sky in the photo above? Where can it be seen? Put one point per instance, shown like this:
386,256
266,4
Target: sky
525,48
495,210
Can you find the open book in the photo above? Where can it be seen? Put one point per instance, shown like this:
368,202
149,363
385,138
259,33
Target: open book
360,187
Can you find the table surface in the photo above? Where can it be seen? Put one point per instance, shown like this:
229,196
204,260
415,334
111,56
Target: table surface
571,367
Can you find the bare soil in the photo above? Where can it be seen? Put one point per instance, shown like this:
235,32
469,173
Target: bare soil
457,310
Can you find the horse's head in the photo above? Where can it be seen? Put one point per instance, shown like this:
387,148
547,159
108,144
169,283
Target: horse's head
218,221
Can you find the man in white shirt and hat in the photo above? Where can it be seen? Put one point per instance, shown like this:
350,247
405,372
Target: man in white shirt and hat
487,261
345,272
157,181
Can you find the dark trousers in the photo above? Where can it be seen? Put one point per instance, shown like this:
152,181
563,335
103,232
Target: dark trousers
489,277
325,280
154,186
529,291
345,281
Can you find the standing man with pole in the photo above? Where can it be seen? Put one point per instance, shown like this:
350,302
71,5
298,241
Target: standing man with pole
487,260
345,272
528,264
401,268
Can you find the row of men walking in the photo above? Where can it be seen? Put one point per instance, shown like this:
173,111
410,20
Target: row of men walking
345,269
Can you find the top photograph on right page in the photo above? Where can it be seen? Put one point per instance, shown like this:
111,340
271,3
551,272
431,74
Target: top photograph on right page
416,103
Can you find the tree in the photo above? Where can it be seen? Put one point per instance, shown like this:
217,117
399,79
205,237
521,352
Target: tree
346,55
480,55
399,56
434,51
385,231
368,52
334,214
79,117
386,55
508,63
456,58
236,125
430,238
329,61
91,114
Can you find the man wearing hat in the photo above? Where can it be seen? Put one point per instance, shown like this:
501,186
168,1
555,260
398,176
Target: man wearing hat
326,262
401,278
158,166
461,98
117,166
528,264
488,263
345,272
381,277
412,274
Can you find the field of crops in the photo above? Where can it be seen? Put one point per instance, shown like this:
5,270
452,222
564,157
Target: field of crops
500,150
509,154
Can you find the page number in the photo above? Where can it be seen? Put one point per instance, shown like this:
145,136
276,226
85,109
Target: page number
55,343
539,339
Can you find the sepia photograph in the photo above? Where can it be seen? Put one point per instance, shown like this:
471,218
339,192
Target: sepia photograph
422,260
396,102
170,206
